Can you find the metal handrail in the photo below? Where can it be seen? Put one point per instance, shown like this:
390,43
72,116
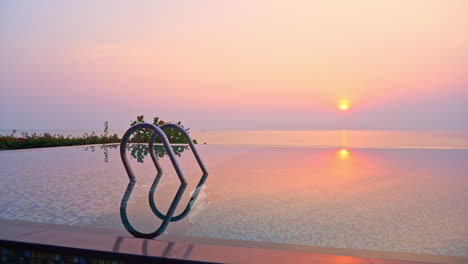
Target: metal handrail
156,181
156,131
183,183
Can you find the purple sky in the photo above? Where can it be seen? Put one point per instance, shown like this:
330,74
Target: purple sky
234,64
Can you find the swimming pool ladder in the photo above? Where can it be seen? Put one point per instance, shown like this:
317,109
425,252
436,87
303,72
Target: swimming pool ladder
168,217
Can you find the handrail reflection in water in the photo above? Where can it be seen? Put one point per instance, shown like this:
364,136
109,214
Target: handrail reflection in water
168,250
166,220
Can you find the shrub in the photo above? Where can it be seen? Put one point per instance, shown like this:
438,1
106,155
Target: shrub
143,135
48,140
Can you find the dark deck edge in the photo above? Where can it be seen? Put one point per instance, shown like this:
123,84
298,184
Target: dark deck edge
95,254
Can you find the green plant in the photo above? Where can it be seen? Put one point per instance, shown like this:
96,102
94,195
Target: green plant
53,140
143,135
48,140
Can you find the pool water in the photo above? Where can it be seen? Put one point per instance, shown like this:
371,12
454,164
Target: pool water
392,200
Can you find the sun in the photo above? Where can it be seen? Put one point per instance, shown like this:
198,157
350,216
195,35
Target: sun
343,105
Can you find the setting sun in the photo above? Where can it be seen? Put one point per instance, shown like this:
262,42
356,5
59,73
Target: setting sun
343,105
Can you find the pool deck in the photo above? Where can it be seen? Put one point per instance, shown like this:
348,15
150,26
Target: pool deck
122,248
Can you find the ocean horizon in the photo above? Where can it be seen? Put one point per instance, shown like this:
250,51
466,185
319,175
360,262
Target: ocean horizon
443,139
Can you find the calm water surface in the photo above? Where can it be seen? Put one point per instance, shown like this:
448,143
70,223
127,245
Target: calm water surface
385,199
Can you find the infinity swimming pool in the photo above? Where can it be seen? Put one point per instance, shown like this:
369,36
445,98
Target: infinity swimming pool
375,200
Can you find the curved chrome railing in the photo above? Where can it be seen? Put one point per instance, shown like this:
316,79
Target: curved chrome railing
156,131
155,183
168,217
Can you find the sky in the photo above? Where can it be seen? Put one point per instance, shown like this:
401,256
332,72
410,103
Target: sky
235,65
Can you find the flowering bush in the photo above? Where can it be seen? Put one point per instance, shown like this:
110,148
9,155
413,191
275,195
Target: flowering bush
143,135
47,140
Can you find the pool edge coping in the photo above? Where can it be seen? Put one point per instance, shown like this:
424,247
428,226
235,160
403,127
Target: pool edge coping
85,241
